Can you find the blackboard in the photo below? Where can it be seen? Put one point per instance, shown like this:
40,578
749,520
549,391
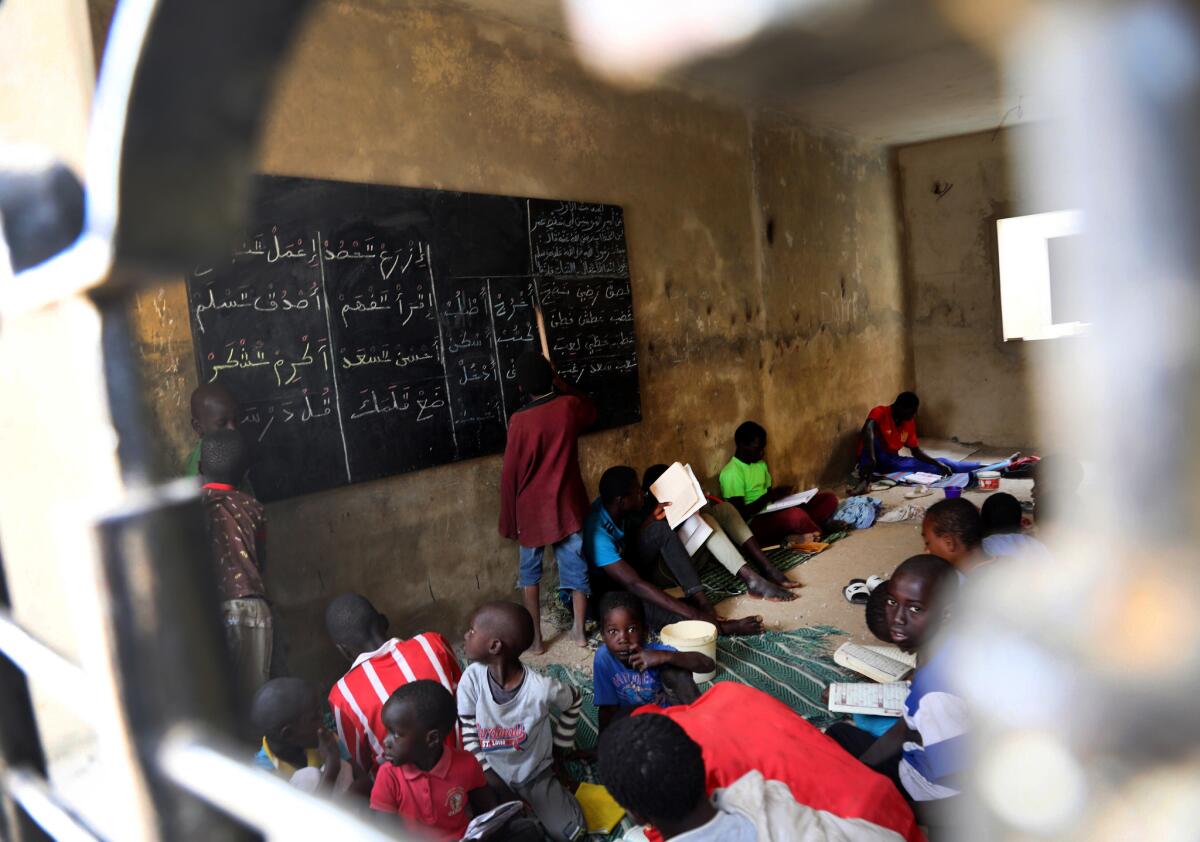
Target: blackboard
370,330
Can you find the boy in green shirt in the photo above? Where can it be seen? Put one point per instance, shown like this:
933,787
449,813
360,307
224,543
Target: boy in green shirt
746,483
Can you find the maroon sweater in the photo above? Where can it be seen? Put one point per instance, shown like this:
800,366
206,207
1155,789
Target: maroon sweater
542,498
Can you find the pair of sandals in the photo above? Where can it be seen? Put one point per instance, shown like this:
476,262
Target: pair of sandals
859,590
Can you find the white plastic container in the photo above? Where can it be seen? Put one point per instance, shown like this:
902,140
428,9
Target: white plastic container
989,480
693,636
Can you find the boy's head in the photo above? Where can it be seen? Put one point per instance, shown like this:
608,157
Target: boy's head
213,408
418,716
1000,513
498,631
534,374
619,489
751,441
224,457
876,611
651,476
622,624
652,768
917,596
952,530
905,406
288,712
354,625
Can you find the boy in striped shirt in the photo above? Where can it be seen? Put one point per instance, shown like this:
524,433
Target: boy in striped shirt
381,665
516,721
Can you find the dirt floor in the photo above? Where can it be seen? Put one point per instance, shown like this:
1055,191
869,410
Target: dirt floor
876,550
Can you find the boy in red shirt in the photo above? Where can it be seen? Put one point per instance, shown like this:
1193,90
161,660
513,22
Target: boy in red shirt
381,665
889,428
542,498
431,786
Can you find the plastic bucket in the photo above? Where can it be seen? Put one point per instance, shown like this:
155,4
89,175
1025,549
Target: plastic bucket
989,480
693,636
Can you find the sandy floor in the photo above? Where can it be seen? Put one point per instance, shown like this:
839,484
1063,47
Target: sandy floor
876,550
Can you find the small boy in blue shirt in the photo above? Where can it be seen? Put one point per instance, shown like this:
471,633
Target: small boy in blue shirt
628,672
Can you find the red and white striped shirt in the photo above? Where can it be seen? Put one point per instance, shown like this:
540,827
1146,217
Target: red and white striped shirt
357,698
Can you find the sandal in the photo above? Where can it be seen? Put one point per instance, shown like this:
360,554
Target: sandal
873,582
856,592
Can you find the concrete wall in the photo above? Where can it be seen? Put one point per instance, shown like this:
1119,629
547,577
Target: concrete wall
803,334
973,384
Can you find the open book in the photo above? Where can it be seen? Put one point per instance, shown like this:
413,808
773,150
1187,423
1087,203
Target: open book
870,699
878,663
679,487
789,501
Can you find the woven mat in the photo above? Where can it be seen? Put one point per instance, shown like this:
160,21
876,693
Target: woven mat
793,666
720,584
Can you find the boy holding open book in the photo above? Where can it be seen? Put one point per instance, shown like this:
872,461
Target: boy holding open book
746,484
923,752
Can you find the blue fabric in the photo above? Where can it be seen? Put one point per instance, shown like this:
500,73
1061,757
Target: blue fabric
888,463
613,683
572,569
1004,544
876,726
261,760
859,512
603,540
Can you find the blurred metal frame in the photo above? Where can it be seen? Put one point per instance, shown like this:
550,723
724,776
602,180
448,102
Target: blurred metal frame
182,91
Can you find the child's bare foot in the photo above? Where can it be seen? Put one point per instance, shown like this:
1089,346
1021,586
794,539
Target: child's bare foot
579,639
760,588
776,576
537,647
743,626
802,538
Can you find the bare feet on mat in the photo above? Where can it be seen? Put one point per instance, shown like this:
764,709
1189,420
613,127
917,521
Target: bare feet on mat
579,639
760,588
537,648
743,626
776,576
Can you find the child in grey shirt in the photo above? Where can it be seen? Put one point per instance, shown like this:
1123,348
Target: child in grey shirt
514,719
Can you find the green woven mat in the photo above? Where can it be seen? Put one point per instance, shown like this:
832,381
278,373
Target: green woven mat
793,666
720,584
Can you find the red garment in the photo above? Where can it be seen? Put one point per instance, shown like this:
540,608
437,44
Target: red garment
740,729
237,528
892,436
435,801
773,527
357,699
542,498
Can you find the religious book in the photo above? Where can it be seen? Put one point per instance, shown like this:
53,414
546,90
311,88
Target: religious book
791,500
870,699
878,663
679,487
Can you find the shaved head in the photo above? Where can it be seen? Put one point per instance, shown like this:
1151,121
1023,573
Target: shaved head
507,622
213,408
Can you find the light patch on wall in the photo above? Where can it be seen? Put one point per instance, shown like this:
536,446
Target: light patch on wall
1039,296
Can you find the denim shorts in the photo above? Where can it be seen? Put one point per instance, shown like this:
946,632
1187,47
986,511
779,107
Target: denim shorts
572,569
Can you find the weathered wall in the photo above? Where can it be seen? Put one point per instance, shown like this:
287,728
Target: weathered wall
833,294
430,97
972,383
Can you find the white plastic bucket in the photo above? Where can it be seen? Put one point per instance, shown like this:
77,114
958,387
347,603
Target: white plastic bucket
693,636
989,480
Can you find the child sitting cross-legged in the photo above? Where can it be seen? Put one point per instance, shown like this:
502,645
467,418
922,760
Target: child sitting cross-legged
517,721
295,746
953,531
923,752
432,786
628,672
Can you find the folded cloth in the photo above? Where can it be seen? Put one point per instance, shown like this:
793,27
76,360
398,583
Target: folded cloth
859,512
809,547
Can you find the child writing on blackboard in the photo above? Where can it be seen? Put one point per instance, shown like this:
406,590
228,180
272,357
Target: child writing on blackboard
542,498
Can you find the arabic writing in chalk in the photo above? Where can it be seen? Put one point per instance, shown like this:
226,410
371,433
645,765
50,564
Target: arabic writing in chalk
420,402
243,355
272,299
579,239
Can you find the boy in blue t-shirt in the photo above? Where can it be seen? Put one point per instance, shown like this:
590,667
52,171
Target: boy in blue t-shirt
628,673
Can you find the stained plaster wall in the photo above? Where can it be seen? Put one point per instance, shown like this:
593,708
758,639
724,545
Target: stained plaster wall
973,384
728,328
